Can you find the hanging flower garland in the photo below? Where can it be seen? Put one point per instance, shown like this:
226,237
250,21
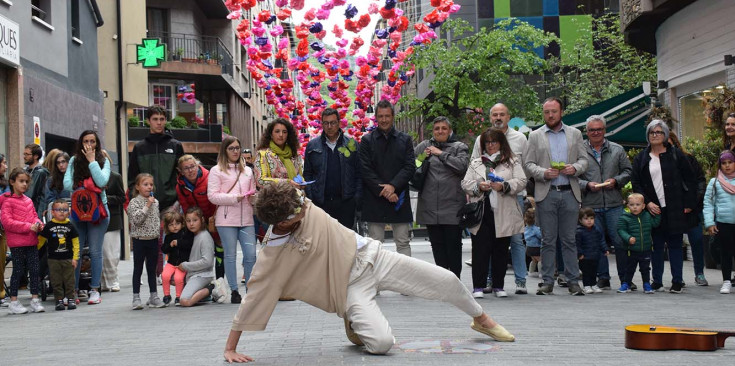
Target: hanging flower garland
270,75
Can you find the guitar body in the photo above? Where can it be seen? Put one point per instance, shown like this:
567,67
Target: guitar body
659,338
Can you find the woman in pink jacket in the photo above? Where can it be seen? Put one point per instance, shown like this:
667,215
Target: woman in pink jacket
231,186
21,229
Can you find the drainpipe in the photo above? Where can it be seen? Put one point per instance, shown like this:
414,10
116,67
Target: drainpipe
97,15
119,104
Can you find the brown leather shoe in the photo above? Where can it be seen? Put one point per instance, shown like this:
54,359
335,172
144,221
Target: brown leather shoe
497,332
351,335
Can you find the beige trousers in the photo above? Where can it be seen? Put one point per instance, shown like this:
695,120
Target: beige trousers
110,259
377,269
401,235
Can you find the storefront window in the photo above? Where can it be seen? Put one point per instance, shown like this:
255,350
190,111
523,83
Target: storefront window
691,114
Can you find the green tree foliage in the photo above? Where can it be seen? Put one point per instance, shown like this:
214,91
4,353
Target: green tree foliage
474,71
601,67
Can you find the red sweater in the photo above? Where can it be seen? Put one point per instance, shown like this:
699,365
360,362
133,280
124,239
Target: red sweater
18,215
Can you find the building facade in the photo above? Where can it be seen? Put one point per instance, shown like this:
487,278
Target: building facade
49,86
690,39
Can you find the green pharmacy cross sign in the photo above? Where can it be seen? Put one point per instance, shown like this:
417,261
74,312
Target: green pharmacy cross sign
150,53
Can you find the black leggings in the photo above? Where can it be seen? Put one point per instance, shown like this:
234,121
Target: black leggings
446,245
726,236
24,258
145,251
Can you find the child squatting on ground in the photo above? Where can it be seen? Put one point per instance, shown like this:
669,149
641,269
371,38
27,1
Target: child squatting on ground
309,256
635,228
719,214
590,246
21,229
62,244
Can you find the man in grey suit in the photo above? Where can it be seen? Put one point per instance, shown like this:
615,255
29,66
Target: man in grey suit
556,192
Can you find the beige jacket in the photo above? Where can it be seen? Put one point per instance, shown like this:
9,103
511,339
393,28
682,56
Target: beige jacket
314,267
508,218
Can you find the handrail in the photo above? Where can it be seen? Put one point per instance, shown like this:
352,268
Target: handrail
196,48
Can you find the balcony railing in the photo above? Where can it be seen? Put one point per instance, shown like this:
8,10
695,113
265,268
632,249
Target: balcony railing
196,48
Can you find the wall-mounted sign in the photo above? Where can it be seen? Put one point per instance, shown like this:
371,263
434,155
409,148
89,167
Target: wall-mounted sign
9,42
150,53
36,130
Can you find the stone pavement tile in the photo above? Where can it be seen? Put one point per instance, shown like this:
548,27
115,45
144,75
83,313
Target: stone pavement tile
550,330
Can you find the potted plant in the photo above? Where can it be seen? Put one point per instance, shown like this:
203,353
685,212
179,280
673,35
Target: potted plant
176,56
134,121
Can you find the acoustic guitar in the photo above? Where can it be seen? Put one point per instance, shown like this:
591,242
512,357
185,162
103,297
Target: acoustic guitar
657,338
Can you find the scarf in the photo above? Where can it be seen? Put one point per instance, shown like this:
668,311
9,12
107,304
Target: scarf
723,180
285,156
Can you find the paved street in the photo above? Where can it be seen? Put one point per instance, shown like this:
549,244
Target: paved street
549,330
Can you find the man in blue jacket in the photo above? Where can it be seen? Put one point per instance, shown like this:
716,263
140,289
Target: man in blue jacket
331,160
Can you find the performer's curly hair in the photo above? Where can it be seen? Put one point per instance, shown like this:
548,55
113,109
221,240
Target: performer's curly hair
277,201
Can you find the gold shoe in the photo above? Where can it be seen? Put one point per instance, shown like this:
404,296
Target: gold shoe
351,335
497,332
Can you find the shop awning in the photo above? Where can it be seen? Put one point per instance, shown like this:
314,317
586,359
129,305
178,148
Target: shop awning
626,116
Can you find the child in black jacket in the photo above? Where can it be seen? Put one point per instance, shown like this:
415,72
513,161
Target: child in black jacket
177,245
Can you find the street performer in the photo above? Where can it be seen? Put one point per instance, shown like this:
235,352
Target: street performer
309,256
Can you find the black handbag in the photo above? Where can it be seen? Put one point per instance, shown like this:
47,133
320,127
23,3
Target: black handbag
470,214
419,176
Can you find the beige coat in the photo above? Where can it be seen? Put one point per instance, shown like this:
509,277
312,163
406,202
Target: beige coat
508,217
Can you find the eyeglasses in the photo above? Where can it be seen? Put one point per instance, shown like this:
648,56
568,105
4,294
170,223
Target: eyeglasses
595,130
189,168
656,133
490,142
27,154
233,148
60,209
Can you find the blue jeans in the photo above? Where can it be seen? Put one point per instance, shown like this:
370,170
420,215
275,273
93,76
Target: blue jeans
606,220
696,240
517,254
673,241
230,235
92,236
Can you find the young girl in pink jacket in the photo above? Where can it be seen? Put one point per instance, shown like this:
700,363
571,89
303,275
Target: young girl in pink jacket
21,229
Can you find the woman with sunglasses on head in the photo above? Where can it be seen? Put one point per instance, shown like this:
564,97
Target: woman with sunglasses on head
665,178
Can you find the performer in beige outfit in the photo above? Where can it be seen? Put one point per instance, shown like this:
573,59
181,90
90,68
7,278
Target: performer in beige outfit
306,257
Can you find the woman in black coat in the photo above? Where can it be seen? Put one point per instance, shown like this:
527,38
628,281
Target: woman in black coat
663,175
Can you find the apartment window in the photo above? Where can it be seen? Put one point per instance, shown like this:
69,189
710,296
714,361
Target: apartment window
75,31
163,95
41,9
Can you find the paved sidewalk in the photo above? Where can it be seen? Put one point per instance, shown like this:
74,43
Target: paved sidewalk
549,330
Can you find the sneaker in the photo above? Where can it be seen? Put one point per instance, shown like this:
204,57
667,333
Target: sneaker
115,288
4,302
497,332
700,280
647,289
633,287
82,295
562,282
167,300
243,281
477,293
36,306
587,290
137,304
155,302
499,292
71,306
487,290
676,288
545,289
220,289
94,298
658,287
235,297
60,305
521,288
623,288
603,284
596,289
575,290
177,302
468,262
16,307
726,286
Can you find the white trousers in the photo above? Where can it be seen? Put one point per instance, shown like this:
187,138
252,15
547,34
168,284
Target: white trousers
110,259
375,270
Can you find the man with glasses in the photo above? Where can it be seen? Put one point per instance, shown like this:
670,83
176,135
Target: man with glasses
608,171
331,160
556,191
32,156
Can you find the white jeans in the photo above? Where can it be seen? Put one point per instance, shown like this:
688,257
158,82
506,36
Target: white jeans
110,259
377,269
401,235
